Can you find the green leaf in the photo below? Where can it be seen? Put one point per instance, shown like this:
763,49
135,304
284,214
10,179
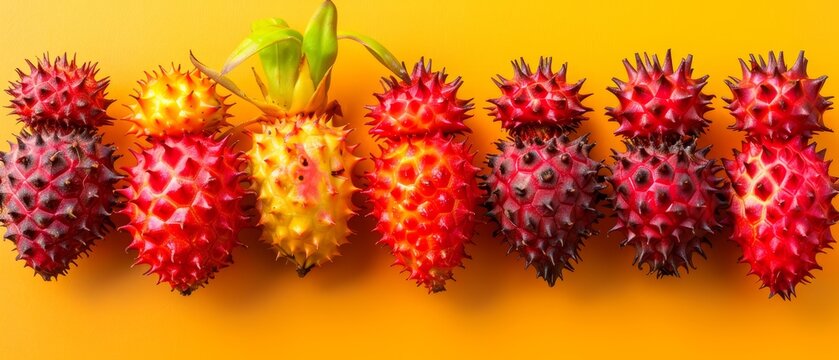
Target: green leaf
257,41
280,62
379,52
320,41
228,84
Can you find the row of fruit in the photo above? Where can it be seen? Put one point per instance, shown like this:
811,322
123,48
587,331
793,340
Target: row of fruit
190,192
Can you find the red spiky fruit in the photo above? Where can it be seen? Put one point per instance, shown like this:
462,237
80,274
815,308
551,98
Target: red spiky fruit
423,187
542,99
782,188
60,94
543,189
57,193
658,103
426,105
185,204
668,197
782,210
668,200
425,195
772,102
544,196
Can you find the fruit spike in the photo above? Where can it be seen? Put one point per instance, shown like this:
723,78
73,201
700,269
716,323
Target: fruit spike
175,102
658,103
423,187
60,94
425,105
57,192
668,200
543,98
772,102
543,189
782,210
302,169
185,205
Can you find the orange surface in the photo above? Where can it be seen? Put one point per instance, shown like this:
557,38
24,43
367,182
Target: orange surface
358,307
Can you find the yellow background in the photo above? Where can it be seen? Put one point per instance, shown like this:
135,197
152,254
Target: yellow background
358,307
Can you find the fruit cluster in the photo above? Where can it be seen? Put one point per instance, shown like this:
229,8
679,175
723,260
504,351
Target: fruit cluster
191,192
668,196
57,181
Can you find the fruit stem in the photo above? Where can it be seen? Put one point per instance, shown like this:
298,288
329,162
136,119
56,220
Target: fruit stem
302,271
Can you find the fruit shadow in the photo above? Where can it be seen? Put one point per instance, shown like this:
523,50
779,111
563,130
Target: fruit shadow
107,265
479,285
360,258
257,274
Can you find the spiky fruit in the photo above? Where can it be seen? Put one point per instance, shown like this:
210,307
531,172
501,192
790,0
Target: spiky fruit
175,102
60,94
541,99
772,102
423,187
544,197
424,195
782,210
782,206
185,202
668,197
302,170
658,103
543,189
668,200
425,105
57,193
301,162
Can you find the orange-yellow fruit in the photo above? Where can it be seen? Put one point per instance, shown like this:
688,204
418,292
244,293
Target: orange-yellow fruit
173,102
425,194
302,171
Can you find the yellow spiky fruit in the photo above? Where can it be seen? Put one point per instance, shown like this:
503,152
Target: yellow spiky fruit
302,170
173,102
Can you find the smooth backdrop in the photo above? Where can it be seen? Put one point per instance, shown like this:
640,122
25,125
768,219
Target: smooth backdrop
358,307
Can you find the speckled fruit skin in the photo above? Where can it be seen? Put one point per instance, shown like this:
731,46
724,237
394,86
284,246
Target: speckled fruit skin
302,170
782,202
185,205
57,192
423,187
